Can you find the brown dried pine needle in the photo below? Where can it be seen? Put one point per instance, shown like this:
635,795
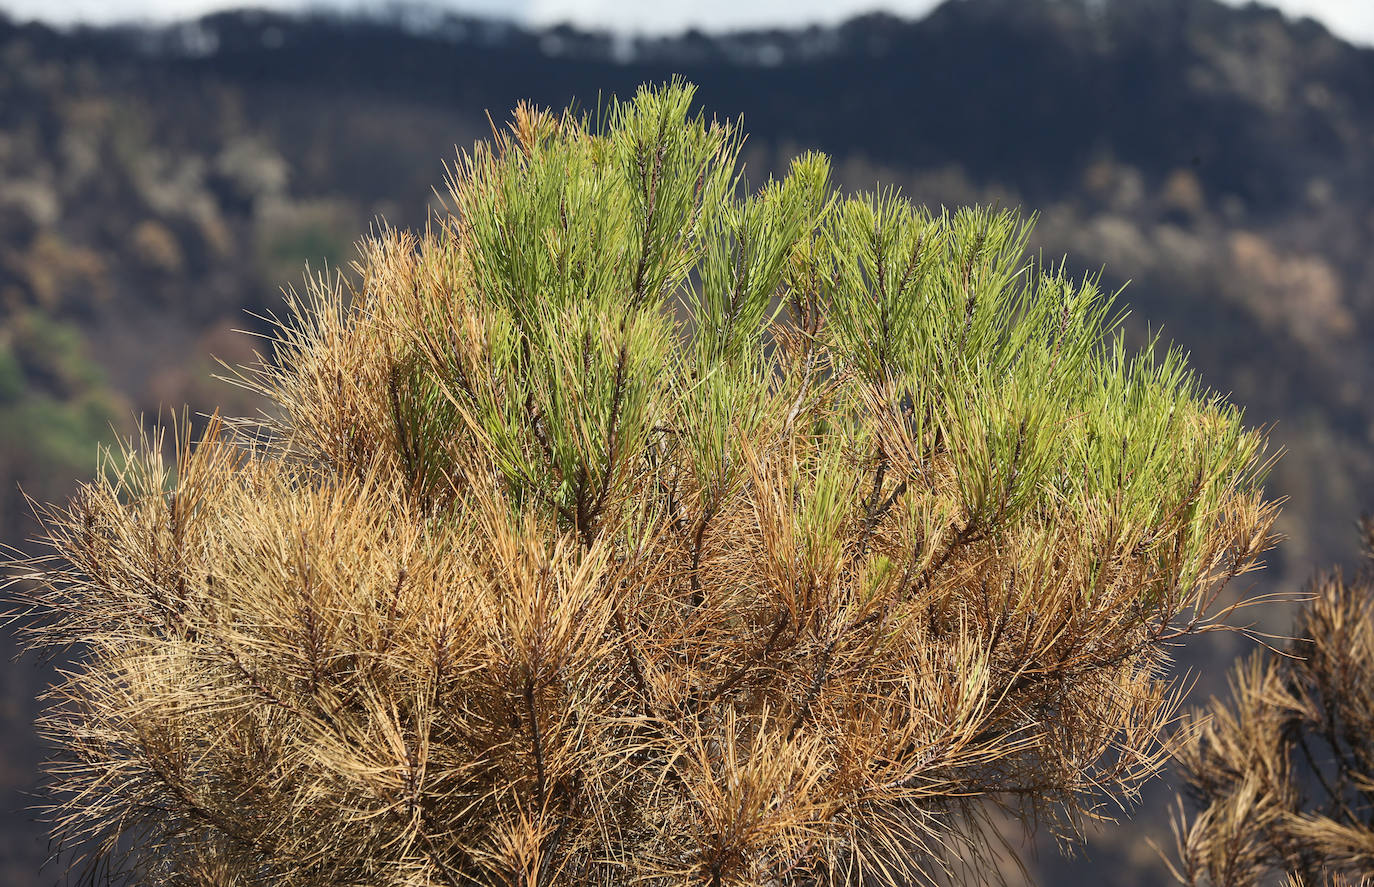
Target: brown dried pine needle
1284,774
633,527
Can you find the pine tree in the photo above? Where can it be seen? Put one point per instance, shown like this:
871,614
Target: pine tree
635,525
1284,774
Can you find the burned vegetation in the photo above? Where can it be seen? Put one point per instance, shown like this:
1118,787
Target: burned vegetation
634,525
1283,775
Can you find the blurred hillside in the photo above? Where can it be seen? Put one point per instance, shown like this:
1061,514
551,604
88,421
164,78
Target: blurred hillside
155,183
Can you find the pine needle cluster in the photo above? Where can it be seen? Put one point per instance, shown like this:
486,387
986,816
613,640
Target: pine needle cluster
1284,774
631,525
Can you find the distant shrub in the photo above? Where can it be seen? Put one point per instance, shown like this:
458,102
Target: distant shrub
11,375
629,526
54,411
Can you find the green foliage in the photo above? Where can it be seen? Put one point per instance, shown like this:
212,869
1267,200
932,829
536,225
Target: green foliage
58,435
51,354
587,244
11,375
54,407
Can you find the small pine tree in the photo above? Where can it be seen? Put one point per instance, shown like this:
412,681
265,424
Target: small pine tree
1284,774
630,526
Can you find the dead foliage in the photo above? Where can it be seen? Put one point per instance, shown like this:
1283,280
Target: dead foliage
630,526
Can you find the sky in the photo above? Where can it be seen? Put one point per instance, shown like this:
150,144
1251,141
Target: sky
1351,19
